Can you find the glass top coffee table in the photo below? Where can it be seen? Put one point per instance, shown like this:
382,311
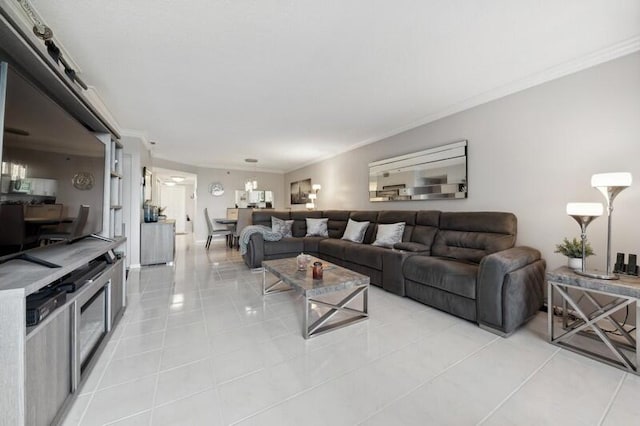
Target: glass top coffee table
336,281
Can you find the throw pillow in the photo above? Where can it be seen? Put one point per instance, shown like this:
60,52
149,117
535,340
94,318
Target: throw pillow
281,226
317,227
389,234
355,231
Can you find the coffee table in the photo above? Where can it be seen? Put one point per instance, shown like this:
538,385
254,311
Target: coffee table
335,279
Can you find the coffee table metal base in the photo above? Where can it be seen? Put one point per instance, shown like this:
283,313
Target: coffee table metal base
324,324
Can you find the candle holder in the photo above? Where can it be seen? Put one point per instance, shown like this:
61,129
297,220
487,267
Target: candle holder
584,214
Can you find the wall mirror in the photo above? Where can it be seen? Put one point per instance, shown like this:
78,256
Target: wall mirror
433,174
256,199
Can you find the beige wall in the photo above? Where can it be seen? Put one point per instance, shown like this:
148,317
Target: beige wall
529,153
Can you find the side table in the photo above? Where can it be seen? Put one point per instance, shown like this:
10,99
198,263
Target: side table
623,352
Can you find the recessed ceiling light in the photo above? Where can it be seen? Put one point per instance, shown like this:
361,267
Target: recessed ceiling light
250,160
177,178
170,183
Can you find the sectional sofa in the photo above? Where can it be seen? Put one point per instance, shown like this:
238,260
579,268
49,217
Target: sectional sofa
464,263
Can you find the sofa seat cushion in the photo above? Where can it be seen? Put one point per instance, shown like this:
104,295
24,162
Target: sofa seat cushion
312,244
285,245
453,276
365,255
333,247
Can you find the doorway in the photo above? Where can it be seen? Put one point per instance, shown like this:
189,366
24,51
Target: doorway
176,197
172,200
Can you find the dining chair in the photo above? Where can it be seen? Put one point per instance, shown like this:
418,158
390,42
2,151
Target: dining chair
75,230
212,230
13,231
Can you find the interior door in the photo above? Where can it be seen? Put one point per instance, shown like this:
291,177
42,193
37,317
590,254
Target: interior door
173,199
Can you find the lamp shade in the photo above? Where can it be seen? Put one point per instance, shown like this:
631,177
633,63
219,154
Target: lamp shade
316,187
313,196
611,179
584,209
309,205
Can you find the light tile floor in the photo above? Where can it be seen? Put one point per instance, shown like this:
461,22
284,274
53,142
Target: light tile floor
200,345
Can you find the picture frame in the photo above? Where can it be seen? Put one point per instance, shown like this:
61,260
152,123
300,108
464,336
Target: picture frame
300,191
147,183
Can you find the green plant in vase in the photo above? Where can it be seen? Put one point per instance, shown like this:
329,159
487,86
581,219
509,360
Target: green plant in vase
573,250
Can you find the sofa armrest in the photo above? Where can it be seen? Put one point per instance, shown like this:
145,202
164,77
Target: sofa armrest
413,247
510,288
255,251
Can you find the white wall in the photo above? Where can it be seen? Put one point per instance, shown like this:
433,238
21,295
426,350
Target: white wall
529,153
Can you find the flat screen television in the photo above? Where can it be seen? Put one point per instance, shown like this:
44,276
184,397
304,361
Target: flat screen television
51,166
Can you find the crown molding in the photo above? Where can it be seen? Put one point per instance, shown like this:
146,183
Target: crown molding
93,95
610,53
138,134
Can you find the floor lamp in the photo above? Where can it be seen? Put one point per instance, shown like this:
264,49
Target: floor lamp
610,185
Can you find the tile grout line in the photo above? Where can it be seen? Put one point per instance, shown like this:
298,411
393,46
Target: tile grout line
344,373
212,362
430,379
84,412
613,398
513,392
155,388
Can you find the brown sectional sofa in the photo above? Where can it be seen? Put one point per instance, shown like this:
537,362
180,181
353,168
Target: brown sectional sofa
463,263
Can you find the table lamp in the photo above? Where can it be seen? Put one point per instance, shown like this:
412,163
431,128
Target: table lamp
610,185
584,214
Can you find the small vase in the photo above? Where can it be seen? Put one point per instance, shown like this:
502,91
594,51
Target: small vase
575,263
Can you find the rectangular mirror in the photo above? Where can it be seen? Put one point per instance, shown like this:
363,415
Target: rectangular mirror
433,174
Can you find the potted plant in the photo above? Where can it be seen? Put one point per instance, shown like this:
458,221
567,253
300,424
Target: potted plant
162,216
573,250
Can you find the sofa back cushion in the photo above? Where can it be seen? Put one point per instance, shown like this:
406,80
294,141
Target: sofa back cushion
263,217
473,235
366,216
337,222
299,228
387,217
427,222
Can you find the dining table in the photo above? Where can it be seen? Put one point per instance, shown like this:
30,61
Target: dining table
231,226
35,224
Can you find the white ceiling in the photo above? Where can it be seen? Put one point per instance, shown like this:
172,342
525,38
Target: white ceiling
292,81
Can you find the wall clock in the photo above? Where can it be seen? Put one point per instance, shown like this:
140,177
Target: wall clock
83,181
216,189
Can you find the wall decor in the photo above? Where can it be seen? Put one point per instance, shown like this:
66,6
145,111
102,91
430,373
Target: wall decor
438,173
147,182
216,189
300,191
83,181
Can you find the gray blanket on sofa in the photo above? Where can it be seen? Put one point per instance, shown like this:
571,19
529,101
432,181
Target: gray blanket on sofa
248,231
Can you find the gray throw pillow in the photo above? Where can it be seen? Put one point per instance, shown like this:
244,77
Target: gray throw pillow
355,231
281,226
317,227
389,234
